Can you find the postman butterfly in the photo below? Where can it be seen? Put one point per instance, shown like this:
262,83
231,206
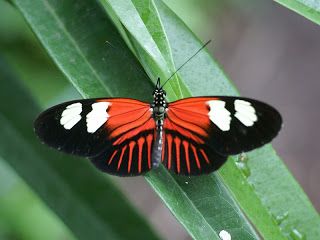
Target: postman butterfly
128,137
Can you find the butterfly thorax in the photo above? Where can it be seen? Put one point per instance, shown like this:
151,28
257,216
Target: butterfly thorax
159,105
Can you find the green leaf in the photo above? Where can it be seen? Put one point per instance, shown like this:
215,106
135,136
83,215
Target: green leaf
25,55
307,8
84,54
145,28
21,210
204,205
86,201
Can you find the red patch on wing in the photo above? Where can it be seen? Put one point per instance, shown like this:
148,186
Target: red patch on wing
189,117
126,115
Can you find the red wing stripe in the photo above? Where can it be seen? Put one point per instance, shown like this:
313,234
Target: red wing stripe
149,142
186,151
114,153
140,147
177,142
131,147
205,156
169,143
121,156
196,156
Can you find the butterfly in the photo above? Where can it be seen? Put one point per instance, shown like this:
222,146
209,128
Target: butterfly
128,137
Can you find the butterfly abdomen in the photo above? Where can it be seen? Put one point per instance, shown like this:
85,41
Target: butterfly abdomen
157,147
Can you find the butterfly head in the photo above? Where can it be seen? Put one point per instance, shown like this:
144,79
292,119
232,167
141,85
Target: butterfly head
159,93
159,104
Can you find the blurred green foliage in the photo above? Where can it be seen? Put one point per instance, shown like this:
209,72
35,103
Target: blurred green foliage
20,48
22,213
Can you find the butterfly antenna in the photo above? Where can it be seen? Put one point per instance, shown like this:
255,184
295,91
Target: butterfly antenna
186,62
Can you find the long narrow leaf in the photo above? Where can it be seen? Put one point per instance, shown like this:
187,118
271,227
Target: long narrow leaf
21,210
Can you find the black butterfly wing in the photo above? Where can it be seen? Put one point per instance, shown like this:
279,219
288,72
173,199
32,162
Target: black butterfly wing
201,132
116,134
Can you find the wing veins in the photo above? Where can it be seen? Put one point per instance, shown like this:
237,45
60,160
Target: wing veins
131,122
187,122
187,130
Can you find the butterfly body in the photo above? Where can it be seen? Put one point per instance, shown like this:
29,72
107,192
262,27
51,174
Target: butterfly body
159,107
127,137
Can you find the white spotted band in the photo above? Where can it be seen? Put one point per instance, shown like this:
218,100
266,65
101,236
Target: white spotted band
94,119
71,115
97,117
245,112
221,117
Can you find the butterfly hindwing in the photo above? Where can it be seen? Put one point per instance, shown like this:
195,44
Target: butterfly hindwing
215,127
131,158
114,133
185,156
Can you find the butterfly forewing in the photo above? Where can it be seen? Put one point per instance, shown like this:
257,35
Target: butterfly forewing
117,133
201,132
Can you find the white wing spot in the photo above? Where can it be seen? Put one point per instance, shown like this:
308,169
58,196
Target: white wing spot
97,117
245,112
219,115
224,235
71,115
